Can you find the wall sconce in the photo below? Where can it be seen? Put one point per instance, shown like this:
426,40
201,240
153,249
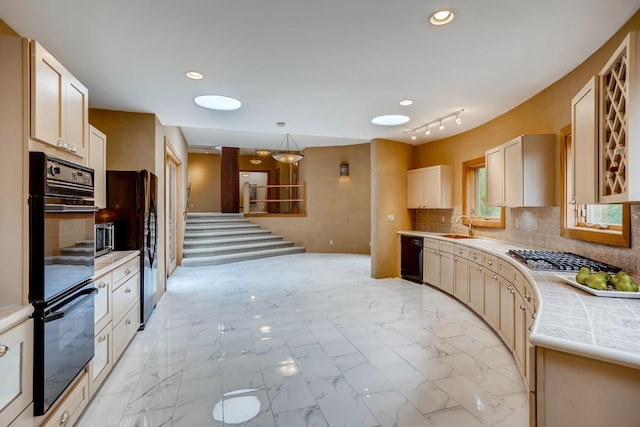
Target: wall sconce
344,169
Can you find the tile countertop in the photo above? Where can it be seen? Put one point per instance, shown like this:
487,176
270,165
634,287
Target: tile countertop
569,319
12,315
108,262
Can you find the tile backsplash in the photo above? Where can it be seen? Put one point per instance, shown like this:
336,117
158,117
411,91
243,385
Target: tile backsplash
537,228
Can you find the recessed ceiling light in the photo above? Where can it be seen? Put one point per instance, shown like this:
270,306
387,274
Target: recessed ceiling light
413,138
406,102
263,152
390,120
255,161
441,17
194,75
217,102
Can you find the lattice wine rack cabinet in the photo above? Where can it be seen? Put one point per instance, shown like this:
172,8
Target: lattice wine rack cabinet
619,124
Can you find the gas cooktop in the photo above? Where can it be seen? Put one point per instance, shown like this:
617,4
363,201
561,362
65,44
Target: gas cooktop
559,261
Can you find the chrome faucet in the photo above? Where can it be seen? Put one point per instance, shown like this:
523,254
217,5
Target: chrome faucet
459,221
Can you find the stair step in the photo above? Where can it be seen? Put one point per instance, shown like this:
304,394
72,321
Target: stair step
191,236
78,250
218,221
232,249
192,215
231,240
224,259
195,227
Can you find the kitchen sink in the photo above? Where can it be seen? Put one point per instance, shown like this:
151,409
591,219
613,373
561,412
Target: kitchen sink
457,236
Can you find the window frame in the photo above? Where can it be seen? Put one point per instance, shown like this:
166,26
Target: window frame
469,195
614,236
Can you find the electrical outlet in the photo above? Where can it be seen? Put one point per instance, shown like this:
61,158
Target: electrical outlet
517,223
391,218
442,219
534,225
331,242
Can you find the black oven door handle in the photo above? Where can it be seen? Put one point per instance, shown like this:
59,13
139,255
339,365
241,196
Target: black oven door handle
56,313
57,208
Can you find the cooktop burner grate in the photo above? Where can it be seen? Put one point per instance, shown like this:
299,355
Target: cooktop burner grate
559,261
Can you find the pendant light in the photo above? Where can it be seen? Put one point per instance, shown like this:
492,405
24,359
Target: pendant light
287,155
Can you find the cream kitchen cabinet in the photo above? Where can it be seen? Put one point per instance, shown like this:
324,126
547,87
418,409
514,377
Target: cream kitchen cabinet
59,105
67,412
521,172
461,274
430,188
117,313
16,371
102,361
438,264
583,184
97,162
476,287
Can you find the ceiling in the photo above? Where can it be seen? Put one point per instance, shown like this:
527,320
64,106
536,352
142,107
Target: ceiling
325,68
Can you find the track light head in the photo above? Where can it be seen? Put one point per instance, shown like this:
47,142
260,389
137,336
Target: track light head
441,127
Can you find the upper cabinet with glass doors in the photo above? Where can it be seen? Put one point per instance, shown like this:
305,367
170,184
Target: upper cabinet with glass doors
606,131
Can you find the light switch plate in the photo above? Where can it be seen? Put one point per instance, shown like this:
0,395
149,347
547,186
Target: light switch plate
391,218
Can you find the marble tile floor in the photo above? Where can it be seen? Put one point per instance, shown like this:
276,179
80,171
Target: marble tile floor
309,340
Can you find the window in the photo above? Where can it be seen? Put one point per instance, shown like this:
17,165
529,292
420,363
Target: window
474,196
605,224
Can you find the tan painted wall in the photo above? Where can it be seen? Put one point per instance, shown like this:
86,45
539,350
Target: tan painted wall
137,141
131,139
337,209
390,161
204,176
14,226
546,112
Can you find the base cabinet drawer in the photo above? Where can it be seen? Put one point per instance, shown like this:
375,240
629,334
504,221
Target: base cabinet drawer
102,362
69,410
124,296
16,371
124,331
125,271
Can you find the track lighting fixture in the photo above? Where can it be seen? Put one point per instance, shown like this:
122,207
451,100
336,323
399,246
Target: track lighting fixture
439,121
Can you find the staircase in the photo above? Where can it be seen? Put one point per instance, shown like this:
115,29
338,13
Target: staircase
217,238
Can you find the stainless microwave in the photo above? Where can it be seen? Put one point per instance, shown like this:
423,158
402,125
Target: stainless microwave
104,238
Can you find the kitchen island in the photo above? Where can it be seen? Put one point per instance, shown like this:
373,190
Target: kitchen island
585,349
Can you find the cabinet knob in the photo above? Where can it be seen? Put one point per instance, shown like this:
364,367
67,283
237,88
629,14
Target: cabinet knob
533,315
527,296
102,285
460,251
475,256
572,201
127,290
3,350
495,277
479,268
101,338
127,271
523,307
530,328
127,322
490,262
64,418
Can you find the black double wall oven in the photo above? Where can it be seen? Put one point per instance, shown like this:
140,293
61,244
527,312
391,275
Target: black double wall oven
61,264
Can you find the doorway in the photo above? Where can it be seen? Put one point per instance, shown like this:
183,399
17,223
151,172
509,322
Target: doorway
258,182
173,171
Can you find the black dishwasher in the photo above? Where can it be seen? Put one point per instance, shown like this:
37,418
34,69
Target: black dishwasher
411,258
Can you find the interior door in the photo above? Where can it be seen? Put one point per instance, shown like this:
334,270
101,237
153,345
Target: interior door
173,214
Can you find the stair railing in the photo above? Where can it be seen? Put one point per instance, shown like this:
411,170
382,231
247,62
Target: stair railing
186,208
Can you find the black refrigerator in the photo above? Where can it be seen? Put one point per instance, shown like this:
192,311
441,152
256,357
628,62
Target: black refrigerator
132,205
